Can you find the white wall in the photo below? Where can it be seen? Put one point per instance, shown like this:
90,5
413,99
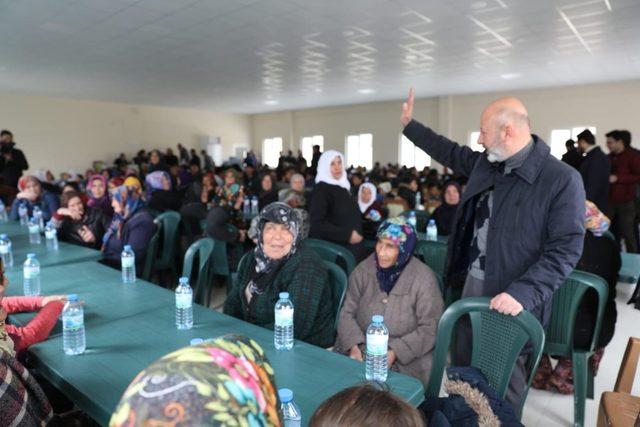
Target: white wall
59,134
606,106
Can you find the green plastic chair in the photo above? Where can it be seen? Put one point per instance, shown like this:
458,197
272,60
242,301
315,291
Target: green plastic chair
434,254
422,219
166,259
334,253
234,276
152,253
566,302
338,283
498,340
201,248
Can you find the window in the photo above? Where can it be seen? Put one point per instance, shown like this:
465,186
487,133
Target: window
360,150
558,138
473,141
271,149
306,145
412,156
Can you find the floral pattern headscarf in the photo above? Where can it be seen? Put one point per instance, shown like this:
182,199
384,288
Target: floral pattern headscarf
154,181
226,381
403,235
595,221
130,199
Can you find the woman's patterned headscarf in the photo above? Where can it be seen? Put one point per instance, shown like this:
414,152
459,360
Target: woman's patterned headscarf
130,199
595,221
154,181
403,235
226,381
266,268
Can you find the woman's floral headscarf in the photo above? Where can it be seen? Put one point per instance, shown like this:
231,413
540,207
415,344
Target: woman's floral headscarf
403,235
595,221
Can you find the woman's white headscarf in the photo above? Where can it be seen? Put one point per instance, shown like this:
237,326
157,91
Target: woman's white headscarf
374,193
324,170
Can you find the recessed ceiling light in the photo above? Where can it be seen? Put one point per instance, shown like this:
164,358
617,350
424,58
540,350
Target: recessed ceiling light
510,76
271,102
366,91
477,5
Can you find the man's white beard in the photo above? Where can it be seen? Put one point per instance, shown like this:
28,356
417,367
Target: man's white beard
495,154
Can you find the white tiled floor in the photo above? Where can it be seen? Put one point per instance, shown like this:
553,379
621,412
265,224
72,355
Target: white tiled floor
549,409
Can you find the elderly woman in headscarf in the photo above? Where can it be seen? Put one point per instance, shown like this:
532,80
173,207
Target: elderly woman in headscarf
31,194
160,196
226,208
446,212
98,195
79,224
335,215
373,213
224,381
131,225
282,263
393,283
600,256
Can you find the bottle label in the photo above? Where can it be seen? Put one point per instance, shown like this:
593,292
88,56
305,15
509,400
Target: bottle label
34,229
50,234
377,344
72,322
31,272
128,261
4,249
284,317
183,301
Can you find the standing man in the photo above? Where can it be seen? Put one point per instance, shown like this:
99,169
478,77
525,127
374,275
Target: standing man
625,176
183,153
573,156
13,162
594,169
519,228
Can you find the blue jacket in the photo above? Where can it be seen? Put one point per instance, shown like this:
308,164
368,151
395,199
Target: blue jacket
137,232
536,230
49,204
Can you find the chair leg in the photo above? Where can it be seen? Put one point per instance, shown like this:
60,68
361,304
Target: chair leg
589,379
580,363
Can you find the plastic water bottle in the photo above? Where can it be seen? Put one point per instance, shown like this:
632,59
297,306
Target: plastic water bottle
51,236
34,232
37,215
6,252
419,201
254,206
184,304
128,265
283,328
246,208
31,273
377,346
3,212
290,412
196,341
411,219
432,230
73,336
23,214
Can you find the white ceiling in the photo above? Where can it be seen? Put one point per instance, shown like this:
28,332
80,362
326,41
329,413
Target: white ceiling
262,55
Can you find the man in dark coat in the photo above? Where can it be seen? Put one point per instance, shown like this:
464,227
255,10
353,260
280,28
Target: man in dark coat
519,228
12,161
572,157
594,169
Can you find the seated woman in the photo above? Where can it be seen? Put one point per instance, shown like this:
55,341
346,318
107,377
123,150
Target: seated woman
235,386
98,196
226,208
295,200
131,225
446,212
393,283
160,196
268,193
80,225
282,264
432,197
335,216
16,339
407,189
373,213
600,256
366,405
31,195
196,202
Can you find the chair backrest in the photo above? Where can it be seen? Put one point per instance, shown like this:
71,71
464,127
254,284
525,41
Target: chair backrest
338,283
152,252
498,340
334,253
628,367
170,221
241,265
201,248
566,301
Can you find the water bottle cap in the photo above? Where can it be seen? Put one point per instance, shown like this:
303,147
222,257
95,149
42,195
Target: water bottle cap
127,247
285,395
3,236
284,295
377,319
30,256
183,280
432,221
72,297
196,341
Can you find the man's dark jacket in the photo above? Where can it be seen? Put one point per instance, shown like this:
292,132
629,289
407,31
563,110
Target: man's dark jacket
536,230
595,170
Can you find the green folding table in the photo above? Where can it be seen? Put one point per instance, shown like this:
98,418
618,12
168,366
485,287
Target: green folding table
13,228
67,253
